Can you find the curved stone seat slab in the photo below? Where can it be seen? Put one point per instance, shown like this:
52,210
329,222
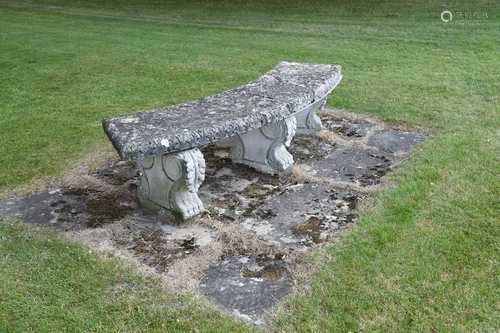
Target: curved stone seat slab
283,91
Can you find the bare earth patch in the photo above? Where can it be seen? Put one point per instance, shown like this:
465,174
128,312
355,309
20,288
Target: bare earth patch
245,252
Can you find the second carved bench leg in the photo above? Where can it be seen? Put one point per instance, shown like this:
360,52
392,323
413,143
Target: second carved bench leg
172,181
264,149
308,121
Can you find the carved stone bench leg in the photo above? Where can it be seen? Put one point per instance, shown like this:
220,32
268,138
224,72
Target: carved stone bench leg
172,181
264,149
308,121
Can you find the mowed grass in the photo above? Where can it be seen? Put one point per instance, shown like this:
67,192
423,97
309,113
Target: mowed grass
425,255
51,285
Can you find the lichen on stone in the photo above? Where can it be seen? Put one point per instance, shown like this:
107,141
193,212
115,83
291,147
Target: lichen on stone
279,93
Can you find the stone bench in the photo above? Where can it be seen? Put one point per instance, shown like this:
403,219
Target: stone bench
257,120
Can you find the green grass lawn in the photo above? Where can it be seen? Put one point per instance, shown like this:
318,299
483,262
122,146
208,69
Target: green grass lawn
50,285
424,256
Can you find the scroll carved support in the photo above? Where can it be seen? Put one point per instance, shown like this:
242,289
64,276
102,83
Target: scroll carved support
264,149
172,181
308,121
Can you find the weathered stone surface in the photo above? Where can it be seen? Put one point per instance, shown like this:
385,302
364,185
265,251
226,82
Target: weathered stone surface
357,165
172,181
310,147
278,94
40,208
348,128
303,215
264,149
394,141
246,286
308,121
